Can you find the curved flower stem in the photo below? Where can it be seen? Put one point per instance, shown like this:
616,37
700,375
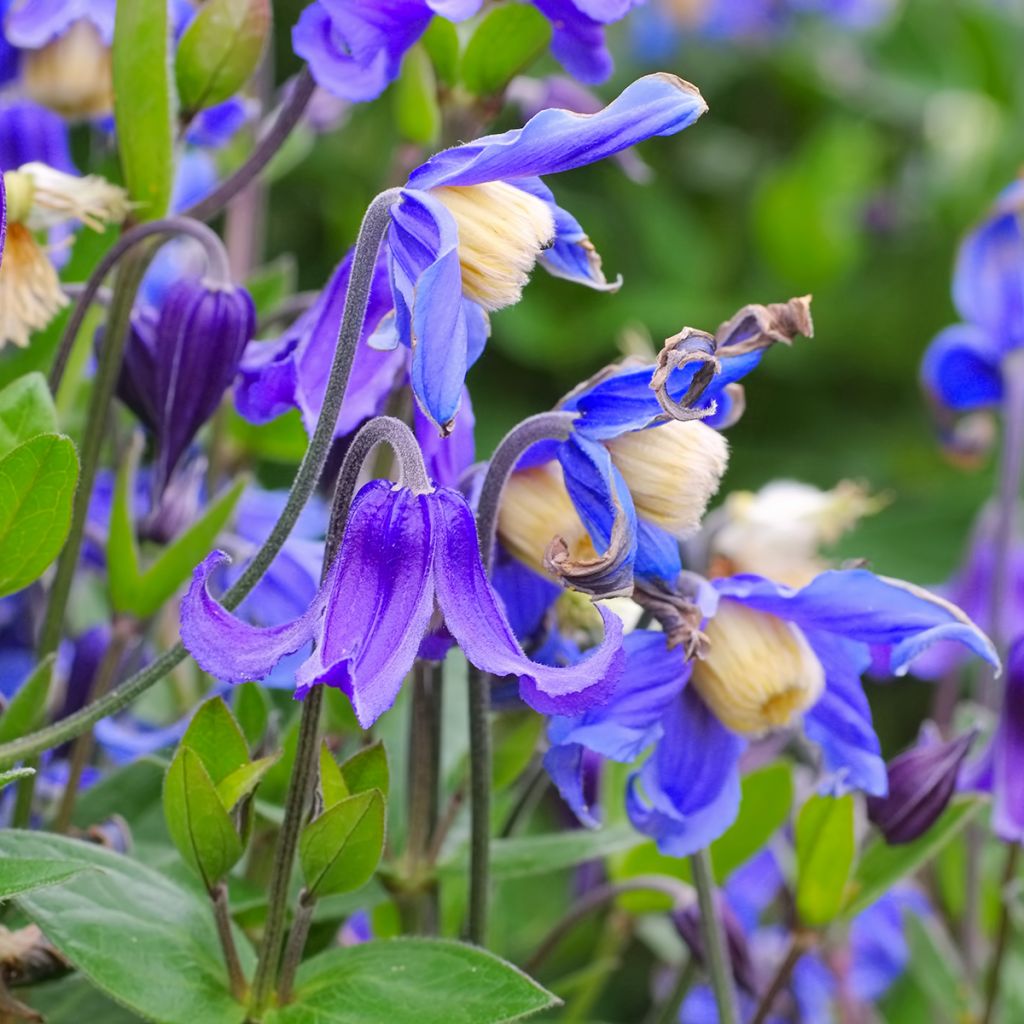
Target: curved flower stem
287,118
1002,934
681,895
222,917
92,290
716,953
542,427
374,226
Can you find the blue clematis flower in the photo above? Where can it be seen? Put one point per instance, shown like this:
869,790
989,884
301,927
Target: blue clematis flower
402,552
961,370
355,47
769,657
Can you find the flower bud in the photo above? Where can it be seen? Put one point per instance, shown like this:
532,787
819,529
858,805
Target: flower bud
502,231
536,509
759,672
176,370
921,782
72,74
672,471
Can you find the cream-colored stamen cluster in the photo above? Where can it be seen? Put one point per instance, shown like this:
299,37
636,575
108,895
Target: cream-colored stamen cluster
56,197
502,230
535,509
72,74
759,673
672,471
30,293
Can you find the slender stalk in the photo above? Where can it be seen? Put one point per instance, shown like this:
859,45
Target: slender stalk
106,673
529,796
222,916
1002,935
296,945
374,226
506,455
287,118
21,816
600,896
716,952
667,1012
797,947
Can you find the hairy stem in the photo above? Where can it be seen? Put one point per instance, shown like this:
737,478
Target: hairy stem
374,226
296,945
716,952
222,916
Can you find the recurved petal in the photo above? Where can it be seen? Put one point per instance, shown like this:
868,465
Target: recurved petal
960,369
475,617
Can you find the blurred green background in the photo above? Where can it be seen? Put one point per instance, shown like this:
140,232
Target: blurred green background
844,164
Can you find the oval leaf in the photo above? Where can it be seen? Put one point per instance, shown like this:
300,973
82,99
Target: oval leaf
220,50
340,850
37,489
825,848
506,41
417,113
367,769
26,410
216,738
144,104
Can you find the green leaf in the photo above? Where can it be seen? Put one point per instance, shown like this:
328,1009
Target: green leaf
13,775
26,410
441,41
243,781
417,113
367,769
825,848
37,489
148,943
252,709
22,874
507,40
71,1000
143,593
27,709
340,850
515,739
882,866
220,50
144,104
332,783
215,737
411,981
201,828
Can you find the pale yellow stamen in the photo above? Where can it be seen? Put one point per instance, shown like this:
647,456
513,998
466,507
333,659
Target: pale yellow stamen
30,293
58,197
71,75
672,471
502,231
535,509
759,673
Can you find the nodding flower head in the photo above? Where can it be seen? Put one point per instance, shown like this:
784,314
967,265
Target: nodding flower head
71,74
502,231
672,471
759,672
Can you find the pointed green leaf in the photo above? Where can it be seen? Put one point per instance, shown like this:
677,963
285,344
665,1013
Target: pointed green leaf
22,874
13,775
37,489
26,410
144,103
201,828
411,981
340,850
417,112
508,39
220,50
252,709
215,737
332,784
367,769
441,41
27,709
882,866
241,782
825,847
137,936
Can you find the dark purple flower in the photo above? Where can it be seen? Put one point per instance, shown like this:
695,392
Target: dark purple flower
179,363
1008,754
921,782
402,553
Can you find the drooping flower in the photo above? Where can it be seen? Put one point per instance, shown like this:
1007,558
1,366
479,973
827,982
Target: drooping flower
403,551
40,198
179,362
65,58
769,657
355,47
